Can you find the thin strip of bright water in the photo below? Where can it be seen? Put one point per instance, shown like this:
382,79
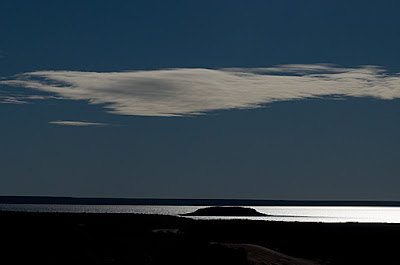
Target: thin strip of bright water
326,214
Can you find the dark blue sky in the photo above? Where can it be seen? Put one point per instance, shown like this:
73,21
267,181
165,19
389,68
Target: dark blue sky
301,144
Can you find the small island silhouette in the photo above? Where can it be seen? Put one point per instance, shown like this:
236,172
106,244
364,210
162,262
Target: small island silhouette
225,211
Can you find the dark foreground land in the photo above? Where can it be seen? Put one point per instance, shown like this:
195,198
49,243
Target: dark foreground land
66,238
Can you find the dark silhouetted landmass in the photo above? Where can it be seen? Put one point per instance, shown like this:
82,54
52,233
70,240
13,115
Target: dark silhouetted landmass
193,202
225,211
82,238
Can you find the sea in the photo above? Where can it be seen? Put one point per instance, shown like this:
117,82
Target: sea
328,213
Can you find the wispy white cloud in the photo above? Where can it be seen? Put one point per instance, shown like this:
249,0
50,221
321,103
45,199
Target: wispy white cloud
78,123
12,100
188,91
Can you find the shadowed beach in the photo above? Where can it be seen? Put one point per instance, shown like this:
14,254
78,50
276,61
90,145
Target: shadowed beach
80,238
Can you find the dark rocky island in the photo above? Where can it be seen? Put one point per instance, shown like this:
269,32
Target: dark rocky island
225,211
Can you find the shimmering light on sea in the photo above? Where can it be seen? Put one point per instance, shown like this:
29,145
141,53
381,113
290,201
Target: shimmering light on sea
327,214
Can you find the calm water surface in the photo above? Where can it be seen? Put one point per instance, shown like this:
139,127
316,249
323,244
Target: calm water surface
328,214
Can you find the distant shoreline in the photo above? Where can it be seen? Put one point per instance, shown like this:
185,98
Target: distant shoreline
184,202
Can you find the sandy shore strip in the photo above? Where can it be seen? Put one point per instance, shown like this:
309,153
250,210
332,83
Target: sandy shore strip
264,256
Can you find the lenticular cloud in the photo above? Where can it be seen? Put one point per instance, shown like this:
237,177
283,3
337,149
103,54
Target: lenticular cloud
78,123
193,91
